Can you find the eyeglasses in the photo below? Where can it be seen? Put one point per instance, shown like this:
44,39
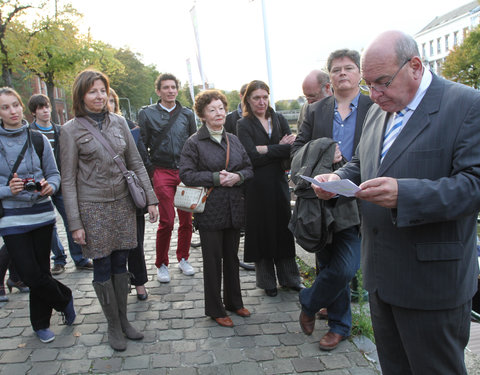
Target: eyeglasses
381,87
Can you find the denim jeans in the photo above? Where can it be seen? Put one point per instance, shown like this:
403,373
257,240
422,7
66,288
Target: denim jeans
58,251
340,261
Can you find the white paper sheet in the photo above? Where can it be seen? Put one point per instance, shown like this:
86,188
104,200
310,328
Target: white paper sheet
342,187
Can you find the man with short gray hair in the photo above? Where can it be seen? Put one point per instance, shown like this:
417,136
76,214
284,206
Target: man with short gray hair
418,166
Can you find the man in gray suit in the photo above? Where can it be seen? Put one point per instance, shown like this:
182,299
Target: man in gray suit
420,197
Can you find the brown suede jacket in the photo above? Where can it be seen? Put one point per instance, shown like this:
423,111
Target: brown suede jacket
89,173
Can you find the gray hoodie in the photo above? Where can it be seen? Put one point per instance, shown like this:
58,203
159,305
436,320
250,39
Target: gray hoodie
11,143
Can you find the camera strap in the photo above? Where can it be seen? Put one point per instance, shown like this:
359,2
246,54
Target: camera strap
19,159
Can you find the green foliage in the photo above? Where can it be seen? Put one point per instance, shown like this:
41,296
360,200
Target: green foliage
12,37
233,99
282,105
361,321
135,81
463,63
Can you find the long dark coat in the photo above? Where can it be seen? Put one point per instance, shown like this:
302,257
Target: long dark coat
268,198
201,159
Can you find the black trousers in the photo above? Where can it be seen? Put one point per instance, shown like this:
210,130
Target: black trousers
136,257
6,264
220,253
30,253
420,341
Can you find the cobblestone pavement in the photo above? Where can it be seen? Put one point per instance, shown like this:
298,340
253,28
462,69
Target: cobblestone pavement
179,338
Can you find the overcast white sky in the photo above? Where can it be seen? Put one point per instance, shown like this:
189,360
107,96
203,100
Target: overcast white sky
302,33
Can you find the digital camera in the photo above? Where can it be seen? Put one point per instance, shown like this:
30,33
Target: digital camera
30,185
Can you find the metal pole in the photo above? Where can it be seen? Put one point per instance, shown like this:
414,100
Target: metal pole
267,54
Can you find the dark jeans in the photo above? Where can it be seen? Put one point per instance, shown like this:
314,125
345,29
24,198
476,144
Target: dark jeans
29,253
113,264
331,289
59,256
136,257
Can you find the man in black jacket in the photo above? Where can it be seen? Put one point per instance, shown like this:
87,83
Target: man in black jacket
164,127
40,107
339,117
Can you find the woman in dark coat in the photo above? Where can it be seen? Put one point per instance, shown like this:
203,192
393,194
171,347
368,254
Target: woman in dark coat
267,137
212,160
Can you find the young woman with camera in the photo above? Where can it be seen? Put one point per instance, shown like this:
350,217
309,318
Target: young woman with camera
28,176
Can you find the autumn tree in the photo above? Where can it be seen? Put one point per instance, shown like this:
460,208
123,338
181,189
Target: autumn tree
463,63
56,52
10,32
135,83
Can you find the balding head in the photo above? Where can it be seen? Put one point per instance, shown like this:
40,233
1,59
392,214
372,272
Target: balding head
316,86
393,70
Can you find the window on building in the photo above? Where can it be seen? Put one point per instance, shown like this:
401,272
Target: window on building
439,45
446,43
423,50
431,48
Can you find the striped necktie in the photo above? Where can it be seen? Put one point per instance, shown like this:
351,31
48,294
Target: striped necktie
392,132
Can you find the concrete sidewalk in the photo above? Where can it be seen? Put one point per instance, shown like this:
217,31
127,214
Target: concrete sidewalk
179,338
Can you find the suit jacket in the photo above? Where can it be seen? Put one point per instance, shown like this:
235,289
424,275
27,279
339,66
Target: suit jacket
421,255
318,122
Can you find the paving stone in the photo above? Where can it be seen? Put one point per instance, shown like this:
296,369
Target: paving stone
170,335
247,368
107,365
240,342
357,358
11,332
286,352
44,354
267,340
226,356
166,360
74,353
259,354
138,362
45,368
183,371
100,351
198,358
91,340
16,369
15,356
273,328
335,361
157,348
194,313
292,338
184,346
279,366
10,343
182,323
196,333
248,330
308,365
73,366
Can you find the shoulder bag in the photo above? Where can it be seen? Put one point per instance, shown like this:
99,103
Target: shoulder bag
193,198
15,166
136,190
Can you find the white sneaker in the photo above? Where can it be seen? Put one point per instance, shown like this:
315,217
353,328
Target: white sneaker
162,274
186,268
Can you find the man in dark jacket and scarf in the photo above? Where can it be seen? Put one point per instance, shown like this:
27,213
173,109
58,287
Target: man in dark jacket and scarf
164,127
